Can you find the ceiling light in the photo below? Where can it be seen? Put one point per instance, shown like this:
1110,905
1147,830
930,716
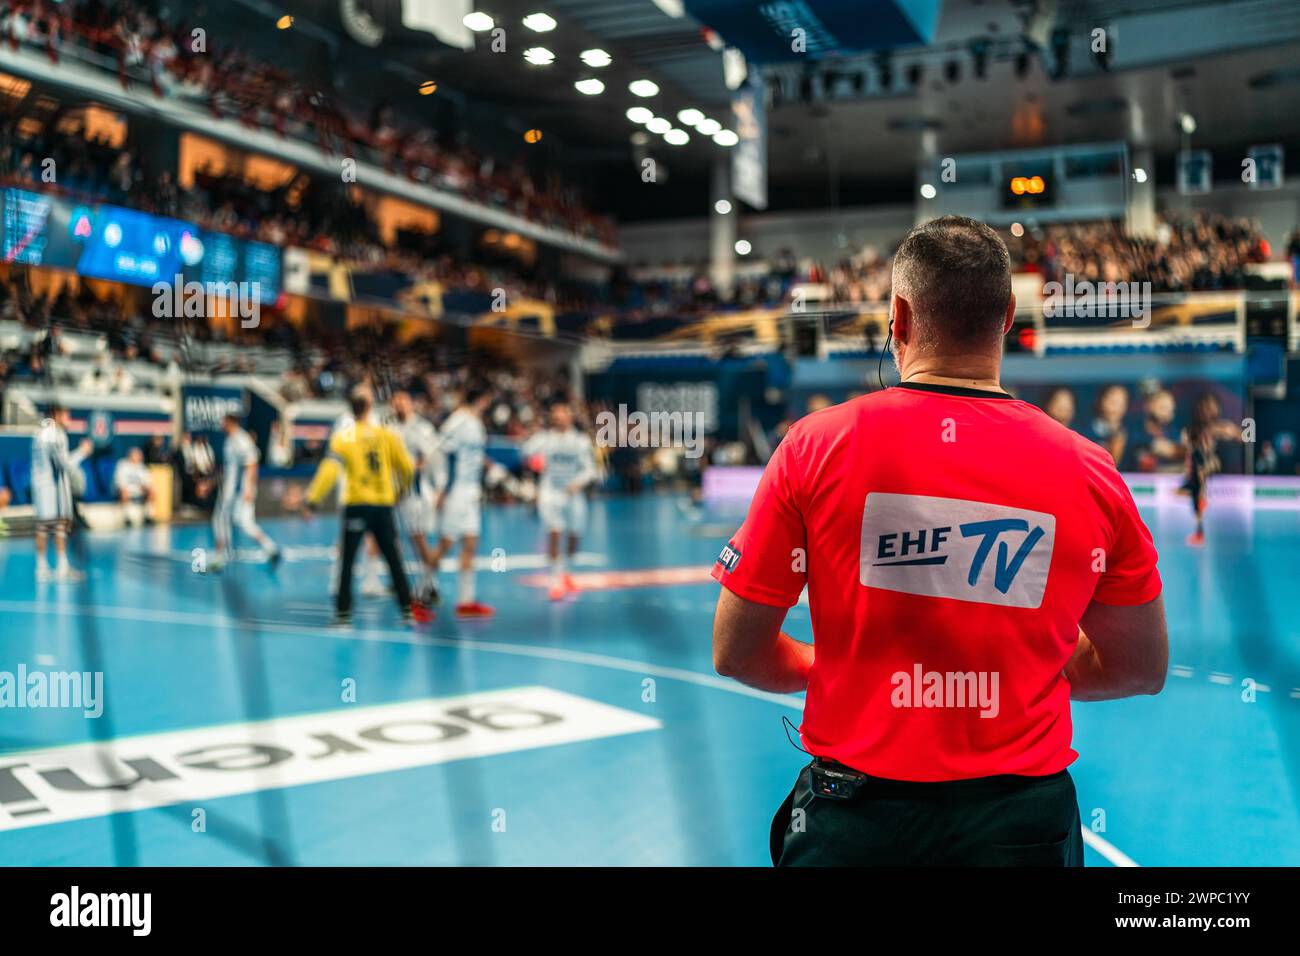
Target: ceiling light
589,87
928,191
743,247
725,138
284,23
690,116
643,88
1139,175
539,56
639,114
428,87
722,207
657,124
677,137
539,22
596,58
478,21
707,127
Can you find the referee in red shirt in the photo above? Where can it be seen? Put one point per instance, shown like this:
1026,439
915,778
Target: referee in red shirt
971,566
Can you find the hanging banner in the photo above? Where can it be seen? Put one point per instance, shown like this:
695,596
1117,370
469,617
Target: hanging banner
749,156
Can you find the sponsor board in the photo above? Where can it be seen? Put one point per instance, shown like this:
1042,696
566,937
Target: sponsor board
79,781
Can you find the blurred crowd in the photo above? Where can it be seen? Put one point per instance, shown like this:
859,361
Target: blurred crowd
305,211
1203,253
234,84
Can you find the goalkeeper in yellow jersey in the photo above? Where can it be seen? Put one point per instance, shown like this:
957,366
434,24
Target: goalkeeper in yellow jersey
376,470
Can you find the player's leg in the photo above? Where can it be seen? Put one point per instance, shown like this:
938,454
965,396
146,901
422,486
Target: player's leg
221,529
42,551
439,550
354,529
46,509
427,587
385,536
63,527
246,521
569,584
550,509
576,523
371,586
469,523
1196,487
62,570
467,604
557,564
415,519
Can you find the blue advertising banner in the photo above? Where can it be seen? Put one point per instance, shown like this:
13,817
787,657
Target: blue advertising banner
124,245
779,31
133,247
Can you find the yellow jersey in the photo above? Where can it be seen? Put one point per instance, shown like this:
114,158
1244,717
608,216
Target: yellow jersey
373,461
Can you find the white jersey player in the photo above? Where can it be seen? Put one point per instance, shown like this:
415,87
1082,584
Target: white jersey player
134,486
417,509
464,441
566,459
234,507
52,467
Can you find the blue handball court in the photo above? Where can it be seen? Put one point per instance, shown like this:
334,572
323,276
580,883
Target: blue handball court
236,727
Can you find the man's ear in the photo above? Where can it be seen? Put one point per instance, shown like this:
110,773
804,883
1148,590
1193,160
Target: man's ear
902,312
1011,315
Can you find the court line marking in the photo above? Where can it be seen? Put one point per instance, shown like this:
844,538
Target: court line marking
1113,854
1104,847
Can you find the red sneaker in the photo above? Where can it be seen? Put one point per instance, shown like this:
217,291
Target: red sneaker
1196,540
422,613
569,584
557,592
474,609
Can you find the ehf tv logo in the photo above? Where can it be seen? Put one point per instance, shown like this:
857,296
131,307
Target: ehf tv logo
947,547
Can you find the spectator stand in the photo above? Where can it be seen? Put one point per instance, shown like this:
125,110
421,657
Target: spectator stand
87,75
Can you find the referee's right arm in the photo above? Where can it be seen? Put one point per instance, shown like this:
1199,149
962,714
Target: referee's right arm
762,575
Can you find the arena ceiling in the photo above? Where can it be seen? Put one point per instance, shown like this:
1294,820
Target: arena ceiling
836,132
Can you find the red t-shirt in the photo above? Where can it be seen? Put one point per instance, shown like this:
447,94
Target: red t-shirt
950,540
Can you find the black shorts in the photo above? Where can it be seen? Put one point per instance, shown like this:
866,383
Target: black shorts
987,821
